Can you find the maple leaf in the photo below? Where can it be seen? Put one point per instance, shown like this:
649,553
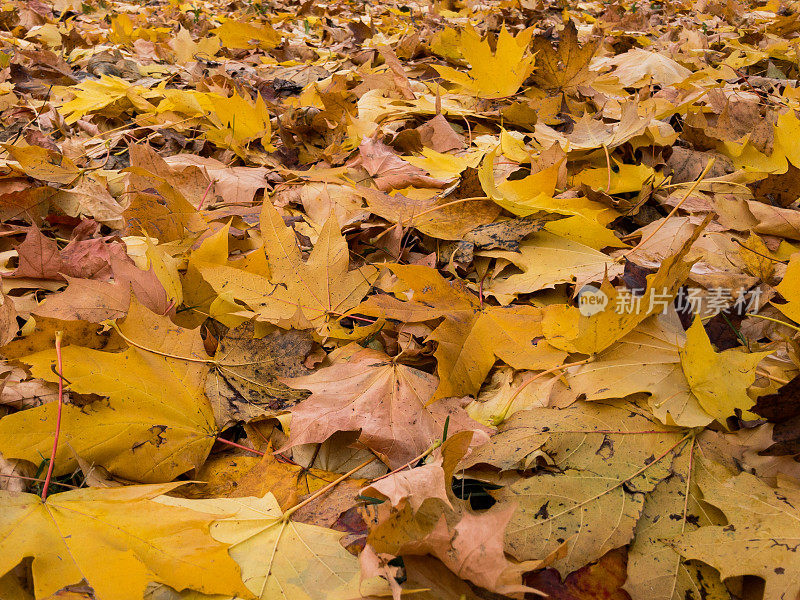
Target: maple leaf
98,95
596,490
251,389
646,360
237,121
471,337
566,328
586,220
762,526
157,208
156,422
279,558
719,380
44,164
389,170
564,68
256,476
469,544
117,539
389,403
789,288
240,34
638,64
492,74
655,569
248,173
589,133
187,49
547,260
302,293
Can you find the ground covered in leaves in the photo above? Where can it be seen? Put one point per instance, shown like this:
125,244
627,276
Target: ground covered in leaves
461,300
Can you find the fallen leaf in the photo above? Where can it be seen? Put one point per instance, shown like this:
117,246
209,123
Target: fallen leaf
245,382
595,490
153,423
278,558
566,67
646,360
719,381
324,282
472,336
761,522
117,539
492,74
389,403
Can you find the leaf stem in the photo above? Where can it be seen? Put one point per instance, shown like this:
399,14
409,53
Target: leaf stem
778,321
66,485
608,168
205,361
235,445
766,374
446,204
497,419
59,366
325,489
430,449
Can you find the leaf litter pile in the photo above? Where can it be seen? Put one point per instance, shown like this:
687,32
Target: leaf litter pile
369,300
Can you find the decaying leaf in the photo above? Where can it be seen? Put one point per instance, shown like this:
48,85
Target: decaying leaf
599,467
245,382
762,525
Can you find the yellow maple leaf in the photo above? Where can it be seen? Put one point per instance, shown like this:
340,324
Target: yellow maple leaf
238,121
102,95
472,336
297,293
156,422
719,380
492,74
187,49
586,222
281,558
237,34
117,540
44,164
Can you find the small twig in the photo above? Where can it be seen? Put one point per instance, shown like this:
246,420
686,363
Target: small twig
46,486
430,449
325,489
235,445
66,485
